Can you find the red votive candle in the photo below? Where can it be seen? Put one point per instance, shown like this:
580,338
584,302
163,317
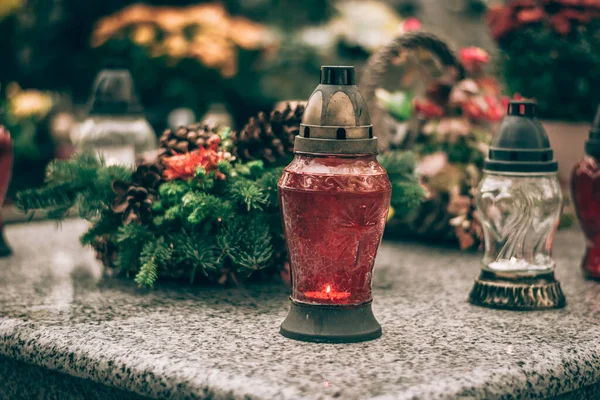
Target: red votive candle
334,210
585,191
334,199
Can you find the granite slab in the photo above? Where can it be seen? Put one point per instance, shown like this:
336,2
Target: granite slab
58,313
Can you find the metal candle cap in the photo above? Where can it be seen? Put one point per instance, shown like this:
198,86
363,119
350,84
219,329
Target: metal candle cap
592,145
114,93
336,119
521,144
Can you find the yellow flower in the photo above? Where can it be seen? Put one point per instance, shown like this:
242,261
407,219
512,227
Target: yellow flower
144,34
215,52
28,103
176,46
391,213
7,7
207,14
171,20
247,34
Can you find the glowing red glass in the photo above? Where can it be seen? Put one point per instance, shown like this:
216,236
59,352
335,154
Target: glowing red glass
334,210
585,190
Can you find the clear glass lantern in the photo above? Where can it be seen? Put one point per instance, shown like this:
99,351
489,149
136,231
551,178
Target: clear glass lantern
115,128
519,202
519,215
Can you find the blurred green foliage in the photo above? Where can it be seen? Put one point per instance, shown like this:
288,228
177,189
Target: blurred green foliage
561,72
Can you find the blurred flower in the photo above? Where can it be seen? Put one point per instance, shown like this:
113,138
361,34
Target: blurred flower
176,46
454,128
410,24
472,58
427,109
488,85
61,126
367,24
475,107
143,34
461,92
184,166
459,204
216,53
530,15
171,19
215,33
432,164
30,103
561,24
7,7
247,34
560,15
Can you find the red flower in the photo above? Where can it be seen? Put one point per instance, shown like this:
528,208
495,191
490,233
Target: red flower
575,15
496,109
473,110
530,15
489,85
499,19
473,58
427,109
561,24
411,24
184,166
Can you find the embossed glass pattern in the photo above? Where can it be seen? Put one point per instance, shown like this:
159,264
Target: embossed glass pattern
520,215
585,190
334,211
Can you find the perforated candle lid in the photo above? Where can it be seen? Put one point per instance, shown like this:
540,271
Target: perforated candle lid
336,119
114,93
521,144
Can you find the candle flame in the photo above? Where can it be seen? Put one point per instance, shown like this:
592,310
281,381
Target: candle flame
328,289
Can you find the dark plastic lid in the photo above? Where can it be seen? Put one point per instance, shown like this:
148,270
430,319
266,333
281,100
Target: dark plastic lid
337,75
592,145
114,93
521,144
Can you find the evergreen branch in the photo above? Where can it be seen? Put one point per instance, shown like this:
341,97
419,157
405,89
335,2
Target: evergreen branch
268,183
172,192
130,240
79,170
154,254
400,164
193,249
107,224
406,197
200,207
50,197
132,233
247,243
248,193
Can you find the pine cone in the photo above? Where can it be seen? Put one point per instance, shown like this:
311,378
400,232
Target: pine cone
106,251
269,137
185,139
134,199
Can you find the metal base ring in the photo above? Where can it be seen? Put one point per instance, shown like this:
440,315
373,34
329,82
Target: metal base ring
330,324
531,294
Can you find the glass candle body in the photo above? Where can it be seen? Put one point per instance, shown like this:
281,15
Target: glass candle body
519,214
334,210
116,138
585,191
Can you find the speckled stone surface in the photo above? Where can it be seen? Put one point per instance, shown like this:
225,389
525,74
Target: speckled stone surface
57,313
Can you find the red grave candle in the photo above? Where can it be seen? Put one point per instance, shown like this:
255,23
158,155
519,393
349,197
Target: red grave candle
334,198
334,210
585,191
